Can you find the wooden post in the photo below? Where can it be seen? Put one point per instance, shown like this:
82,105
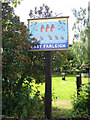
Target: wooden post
78,82
48,92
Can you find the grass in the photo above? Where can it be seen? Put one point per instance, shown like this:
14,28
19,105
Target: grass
62,91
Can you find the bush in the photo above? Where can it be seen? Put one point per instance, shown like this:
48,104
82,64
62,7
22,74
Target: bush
82,102
24,103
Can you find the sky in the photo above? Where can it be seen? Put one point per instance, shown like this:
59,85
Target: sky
57,6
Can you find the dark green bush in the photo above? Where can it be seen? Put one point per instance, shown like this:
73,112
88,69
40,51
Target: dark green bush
82,102
23,103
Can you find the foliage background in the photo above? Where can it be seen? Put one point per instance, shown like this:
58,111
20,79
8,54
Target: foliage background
17,64
20,67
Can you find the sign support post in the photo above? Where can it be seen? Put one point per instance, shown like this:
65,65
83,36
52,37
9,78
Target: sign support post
48,81
52,35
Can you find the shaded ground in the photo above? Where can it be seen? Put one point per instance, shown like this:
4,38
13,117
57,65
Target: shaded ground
62,103
61,110
46,119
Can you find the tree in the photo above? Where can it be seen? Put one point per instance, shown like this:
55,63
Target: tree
14,2
18,64
15,45
80,40
42,12
80,50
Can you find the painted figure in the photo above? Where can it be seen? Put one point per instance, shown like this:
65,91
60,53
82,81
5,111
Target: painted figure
52,28
47,28
42,28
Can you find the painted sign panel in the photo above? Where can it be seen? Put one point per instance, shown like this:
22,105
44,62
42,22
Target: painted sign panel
51,33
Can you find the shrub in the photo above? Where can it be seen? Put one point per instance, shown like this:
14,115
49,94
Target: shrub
24,103
82,102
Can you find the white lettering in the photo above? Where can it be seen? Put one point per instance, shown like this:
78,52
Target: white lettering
43,46
50,45
64,45
37,46
40,46
60,45
55,45
47,46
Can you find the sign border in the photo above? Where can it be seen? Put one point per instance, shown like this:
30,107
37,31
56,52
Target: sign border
51,18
